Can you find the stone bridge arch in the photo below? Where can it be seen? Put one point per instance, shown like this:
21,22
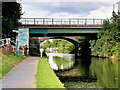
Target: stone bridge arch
73,40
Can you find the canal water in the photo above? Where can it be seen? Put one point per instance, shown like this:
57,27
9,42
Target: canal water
84,72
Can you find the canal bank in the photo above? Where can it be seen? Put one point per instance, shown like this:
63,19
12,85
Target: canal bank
46,77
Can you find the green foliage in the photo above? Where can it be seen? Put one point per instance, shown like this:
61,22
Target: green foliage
63,46
11,12
108,41
46,45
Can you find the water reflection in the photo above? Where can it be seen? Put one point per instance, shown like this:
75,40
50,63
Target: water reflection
106,72
83,66
88,72
59,61
52,63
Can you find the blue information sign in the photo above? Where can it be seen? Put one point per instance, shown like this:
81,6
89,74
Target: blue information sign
15,31
20,29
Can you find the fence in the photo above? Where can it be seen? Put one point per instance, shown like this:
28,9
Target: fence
61,21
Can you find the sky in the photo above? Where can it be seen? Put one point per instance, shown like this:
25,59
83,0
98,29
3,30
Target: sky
101,9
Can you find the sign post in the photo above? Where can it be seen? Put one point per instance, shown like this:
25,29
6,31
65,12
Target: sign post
16,50
16,43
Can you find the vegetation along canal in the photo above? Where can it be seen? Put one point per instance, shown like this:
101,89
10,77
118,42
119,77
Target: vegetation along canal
84,73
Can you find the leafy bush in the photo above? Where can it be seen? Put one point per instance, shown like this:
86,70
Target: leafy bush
108,41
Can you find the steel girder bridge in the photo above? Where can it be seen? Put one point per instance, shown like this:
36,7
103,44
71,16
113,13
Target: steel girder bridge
61,26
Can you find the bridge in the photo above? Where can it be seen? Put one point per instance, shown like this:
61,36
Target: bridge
50,26
64,28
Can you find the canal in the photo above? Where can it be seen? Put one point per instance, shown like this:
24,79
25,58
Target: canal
84,72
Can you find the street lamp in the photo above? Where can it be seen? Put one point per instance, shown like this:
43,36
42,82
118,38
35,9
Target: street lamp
16,42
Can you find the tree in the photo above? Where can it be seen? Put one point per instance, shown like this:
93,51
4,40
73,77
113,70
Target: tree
63,46
11,13
108,41
46,45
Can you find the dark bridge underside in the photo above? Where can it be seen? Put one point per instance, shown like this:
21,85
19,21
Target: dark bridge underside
63,34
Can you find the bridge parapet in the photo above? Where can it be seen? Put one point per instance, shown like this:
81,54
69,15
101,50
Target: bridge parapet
62,22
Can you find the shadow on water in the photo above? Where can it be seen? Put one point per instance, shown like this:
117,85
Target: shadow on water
76,78
79,72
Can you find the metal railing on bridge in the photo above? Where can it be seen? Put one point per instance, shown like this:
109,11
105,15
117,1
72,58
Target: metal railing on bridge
62,21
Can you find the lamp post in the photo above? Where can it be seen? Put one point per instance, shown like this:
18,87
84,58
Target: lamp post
16,42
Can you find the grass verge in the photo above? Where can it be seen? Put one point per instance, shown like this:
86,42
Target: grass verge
9,61
46,77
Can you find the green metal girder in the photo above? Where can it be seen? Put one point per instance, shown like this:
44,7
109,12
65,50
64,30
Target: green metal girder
40,31
33,31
